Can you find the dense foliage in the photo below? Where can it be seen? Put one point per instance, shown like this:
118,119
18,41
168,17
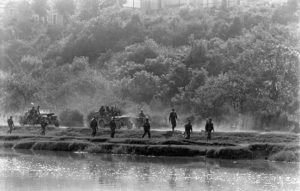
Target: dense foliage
223,63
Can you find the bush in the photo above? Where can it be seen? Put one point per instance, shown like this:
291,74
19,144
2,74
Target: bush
71,118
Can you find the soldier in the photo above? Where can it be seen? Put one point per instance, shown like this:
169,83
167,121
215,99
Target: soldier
209,127
113,126
11,125
94,126
102,111
38,110
32,113
173,119
146,128
107,110
141,114
113,111
44,124
188,129
141,119
117,112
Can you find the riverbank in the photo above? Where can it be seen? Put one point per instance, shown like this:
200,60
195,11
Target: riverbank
224,145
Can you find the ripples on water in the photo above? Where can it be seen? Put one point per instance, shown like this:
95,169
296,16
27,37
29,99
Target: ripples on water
35,171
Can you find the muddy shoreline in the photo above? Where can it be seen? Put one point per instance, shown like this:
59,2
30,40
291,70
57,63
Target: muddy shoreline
224,145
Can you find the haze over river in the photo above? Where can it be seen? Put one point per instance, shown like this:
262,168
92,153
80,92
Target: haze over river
35,171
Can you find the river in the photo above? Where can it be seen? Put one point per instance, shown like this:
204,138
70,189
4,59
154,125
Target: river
38,171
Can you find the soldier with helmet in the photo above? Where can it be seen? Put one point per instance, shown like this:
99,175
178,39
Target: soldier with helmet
32,113
146,128
173,119
209,127
141,119
102,111
94,126
11,125
44,123
38,110
113,126
188,129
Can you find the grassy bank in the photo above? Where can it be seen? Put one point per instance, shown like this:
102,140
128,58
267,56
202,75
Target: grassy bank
224,145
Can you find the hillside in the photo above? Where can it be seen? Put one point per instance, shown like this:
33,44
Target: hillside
238,65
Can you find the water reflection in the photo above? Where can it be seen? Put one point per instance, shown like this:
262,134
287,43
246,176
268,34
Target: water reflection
145,173
208,178
32,170
188,175
172,181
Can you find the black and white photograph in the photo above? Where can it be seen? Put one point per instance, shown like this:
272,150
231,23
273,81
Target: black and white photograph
149,95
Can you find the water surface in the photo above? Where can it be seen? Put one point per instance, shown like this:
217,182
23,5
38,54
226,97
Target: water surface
35,171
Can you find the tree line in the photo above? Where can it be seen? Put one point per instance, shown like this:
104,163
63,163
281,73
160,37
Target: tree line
222,63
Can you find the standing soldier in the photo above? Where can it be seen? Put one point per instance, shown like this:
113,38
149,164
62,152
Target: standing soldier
107,110
141,119
141,114
102,111
173,119
44,124
94,126
32,111
188,129
38,110
209,127
146,128
113,126
11,125
32,114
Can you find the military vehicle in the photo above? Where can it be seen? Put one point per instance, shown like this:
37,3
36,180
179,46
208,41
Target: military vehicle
106,113
103,120
35,119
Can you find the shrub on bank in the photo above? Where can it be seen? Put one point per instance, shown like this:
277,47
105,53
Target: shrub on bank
71,118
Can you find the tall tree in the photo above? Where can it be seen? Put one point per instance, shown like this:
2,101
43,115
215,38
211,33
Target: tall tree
20,90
